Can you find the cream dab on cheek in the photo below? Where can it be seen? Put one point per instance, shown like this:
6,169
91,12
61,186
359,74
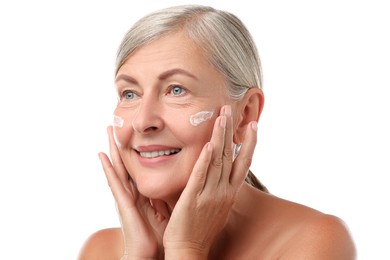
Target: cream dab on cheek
200,117
118,121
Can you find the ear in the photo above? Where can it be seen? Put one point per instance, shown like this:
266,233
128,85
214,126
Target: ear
248,109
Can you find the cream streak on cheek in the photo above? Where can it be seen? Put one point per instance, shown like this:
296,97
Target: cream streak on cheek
118,121
201,117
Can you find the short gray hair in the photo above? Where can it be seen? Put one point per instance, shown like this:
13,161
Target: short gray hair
225,40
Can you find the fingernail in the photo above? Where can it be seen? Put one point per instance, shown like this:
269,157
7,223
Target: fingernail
227,110
254,126
223,121
209,147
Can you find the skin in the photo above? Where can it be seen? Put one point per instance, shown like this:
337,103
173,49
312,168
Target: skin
195,204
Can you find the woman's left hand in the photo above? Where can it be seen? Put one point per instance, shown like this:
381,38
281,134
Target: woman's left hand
203,208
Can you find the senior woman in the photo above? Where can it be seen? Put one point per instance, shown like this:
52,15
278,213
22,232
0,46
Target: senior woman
189,89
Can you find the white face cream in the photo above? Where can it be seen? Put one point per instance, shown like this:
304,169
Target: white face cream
118,121
200,117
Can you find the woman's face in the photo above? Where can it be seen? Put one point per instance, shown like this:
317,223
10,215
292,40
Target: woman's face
160,88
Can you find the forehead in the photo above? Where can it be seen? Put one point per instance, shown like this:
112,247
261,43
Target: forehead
174,50
175,45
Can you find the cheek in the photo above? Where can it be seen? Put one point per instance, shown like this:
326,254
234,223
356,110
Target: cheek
118,121
122,128
192,128
201,117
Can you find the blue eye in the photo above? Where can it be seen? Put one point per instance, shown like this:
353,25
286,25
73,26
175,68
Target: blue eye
128,95
177,90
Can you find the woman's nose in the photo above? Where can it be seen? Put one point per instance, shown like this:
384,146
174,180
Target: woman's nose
148,118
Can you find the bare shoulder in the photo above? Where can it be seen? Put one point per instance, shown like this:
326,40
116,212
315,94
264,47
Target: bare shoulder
288,230
321,237
102,245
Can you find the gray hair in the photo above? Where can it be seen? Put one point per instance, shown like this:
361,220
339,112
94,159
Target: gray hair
225,40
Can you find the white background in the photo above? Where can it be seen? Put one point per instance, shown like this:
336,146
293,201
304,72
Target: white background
323,138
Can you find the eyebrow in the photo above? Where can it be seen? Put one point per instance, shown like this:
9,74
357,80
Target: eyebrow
162,76
172,72
126,78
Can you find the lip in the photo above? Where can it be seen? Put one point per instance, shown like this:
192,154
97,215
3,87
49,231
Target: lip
155,161
154,147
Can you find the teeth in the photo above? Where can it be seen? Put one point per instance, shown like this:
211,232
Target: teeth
158,153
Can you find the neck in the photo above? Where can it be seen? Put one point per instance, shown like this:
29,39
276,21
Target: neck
242,209
171,201
239,225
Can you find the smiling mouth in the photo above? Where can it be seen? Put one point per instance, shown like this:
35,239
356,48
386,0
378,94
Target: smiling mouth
155,154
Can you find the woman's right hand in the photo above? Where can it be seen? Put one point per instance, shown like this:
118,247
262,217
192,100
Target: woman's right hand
142,224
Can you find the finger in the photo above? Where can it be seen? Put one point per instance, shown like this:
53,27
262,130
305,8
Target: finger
227,156
217,140
116,158
244,159
118,190
196,182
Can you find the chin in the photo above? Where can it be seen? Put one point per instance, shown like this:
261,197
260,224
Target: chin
160,189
